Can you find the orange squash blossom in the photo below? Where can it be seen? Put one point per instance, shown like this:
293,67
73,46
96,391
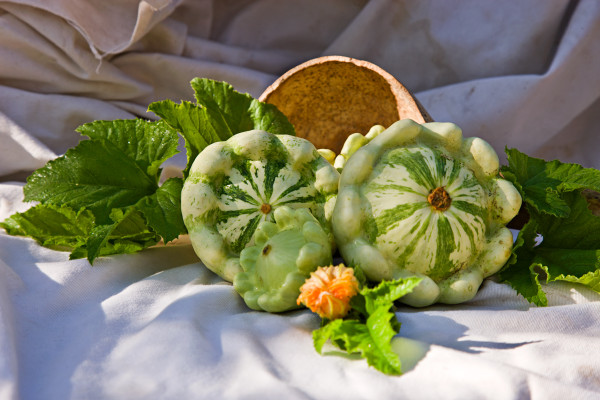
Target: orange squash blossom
328,291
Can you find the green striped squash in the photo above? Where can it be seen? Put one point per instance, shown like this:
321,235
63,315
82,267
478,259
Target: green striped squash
235,185
433,239
419,200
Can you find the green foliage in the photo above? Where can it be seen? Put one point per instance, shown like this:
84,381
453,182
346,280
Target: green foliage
369,329
561,240
103,196
221,112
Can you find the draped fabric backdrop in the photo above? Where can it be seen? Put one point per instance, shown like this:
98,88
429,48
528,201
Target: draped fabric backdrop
158,324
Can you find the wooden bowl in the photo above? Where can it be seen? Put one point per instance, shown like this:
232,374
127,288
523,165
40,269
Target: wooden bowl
329,98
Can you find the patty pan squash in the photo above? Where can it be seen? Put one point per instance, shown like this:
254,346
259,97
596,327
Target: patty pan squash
236,184
420,200
284,254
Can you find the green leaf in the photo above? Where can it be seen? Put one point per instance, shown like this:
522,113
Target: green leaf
581,230
525,279
163,210
570,250
370,332
227,109
590,279
521,272
371,339
220,113
57,227
114,177
579,266
359,274
95,175
97,240
538,188
103,196
560,215
128,233
116,168
331,330
383,326
548,265
387,292
194,124
542,182
62,228
240,112
149,144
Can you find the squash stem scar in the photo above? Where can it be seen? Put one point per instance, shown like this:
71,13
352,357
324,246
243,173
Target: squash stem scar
439,199
266,250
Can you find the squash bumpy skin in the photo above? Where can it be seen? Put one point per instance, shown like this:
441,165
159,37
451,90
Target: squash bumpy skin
282,257
419,200
236,184
354,142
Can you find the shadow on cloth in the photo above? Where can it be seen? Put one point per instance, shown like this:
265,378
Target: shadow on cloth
421,330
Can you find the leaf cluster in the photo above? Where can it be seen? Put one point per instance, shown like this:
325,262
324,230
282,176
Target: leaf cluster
370,327
561,239
104,196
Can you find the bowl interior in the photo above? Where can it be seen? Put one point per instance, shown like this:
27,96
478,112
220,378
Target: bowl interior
329,98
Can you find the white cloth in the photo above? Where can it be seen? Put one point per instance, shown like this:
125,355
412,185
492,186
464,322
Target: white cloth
158,324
